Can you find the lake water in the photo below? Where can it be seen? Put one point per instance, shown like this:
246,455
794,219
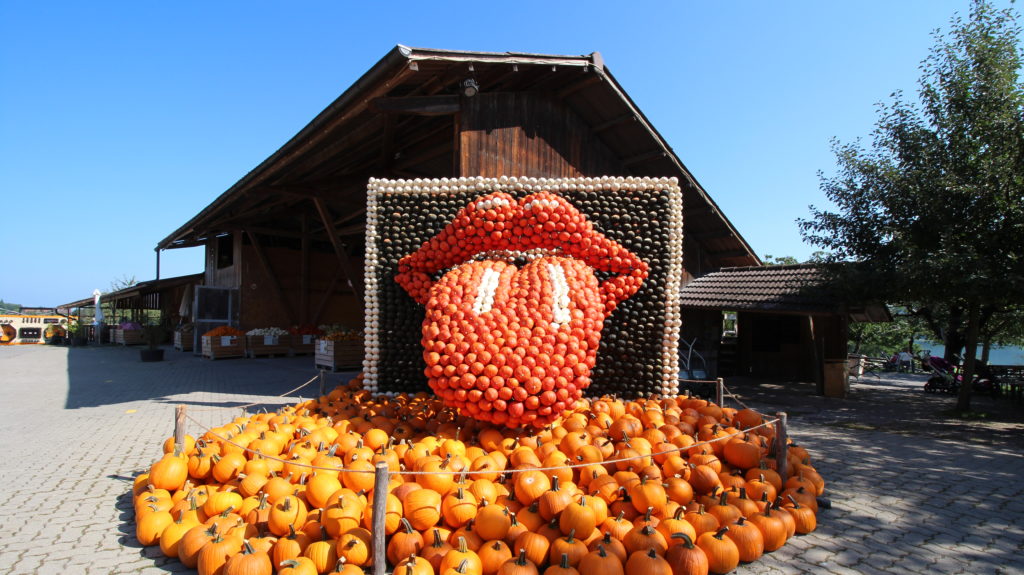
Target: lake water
996,356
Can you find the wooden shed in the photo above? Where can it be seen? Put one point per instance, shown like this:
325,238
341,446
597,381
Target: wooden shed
789,323
288,238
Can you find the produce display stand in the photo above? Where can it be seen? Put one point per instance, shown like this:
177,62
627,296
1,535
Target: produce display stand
267,345
127,336
183,339
336,355
303,344
223,347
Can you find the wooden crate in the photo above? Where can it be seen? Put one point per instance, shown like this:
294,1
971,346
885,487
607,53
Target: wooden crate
267,345
303,344
335,355
127,336
223,347
183,340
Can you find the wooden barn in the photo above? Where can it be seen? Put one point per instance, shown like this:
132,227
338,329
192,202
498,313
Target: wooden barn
284,245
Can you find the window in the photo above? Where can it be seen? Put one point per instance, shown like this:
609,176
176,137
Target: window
225,251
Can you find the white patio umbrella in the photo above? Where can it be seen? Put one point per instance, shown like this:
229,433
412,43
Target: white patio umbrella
98,319
185,309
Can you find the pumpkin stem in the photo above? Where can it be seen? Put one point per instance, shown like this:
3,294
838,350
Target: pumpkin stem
438,543
687,542
463,565
247,548
463,548
721,532
406,524
564,564
600,547
521,561
569,537
679,512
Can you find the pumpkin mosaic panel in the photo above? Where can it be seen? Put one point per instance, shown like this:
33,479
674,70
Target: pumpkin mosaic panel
555,286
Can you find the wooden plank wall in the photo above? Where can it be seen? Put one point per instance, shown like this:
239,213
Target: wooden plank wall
260,306
228,276
529,134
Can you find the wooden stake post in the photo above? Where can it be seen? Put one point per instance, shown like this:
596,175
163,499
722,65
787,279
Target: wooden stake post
380,498
781,446
719,395
179,427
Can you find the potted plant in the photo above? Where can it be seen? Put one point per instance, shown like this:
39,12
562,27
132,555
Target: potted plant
153,334
75,334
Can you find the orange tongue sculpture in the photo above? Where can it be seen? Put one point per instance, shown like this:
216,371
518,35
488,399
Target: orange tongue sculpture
508,345
513,346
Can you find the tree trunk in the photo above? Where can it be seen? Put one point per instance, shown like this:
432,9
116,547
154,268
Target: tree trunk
954,337
986,347
963,403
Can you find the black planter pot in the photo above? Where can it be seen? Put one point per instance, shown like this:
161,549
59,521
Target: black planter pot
151,354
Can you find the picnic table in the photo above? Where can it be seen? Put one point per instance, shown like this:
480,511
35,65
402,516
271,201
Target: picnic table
1011,380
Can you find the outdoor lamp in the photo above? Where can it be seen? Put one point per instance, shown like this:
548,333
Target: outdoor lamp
470,88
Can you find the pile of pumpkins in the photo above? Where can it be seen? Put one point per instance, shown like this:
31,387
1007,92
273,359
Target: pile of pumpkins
659,486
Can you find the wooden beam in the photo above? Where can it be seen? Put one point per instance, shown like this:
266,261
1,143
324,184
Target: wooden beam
304,271
645,157
387,146
709,235
588,81
339,250
274,232
699,211
729,254
326,297
614,122
417,105
275,285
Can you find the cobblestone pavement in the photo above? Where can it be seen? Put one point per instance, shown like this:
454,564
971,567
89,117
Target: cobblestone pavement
911,491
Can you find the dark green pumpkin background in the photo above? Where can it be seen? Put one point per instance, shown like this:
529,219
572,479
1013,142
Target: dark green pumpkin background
630,355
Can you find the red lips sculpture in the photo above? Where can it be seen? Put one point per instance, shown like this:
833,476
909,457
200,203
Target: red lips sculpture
509,345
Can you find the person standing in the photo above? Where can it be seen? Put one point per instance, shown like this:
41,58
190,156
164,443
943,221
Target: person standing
905,361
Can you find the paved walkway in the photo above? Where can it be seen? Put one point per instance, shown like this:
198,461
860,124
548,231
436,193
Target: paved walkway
911,491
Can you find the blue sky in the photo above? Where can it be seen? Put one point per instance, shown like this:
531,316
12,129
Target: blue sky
121,120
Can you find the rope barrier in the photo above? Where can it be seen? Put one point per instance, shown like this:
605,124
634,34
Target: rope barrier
737,399
285,394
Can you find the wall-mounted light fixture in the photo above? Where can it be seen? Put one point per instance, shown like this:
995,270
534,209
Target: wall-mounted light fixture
470,88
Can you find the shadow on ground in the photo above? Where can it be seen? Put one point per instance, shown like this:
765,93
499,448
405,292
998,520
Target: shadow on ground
104,375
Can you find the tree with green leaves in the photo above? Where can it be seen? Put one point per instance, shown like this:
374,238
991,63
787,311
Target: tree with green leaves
931,215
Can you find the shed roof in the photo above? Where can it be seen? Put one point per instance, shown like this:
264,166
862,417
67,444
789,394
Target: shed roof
139,289
360,135
799,288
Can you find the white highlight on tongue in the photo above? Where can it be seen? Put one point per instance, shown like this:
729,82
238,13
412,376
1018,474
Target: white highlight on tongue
559,295
485,291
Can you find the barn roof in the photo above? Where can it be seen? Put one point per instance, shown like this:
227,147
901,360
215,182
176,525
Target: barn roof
395,121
